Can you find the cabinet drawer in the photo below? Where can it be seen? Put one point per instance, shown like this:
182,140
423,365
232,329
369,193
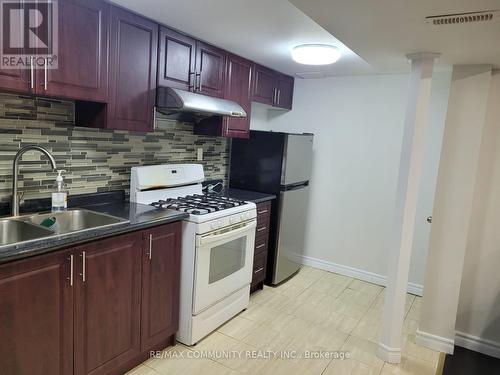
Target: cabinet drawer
264,209
261,244
263,220
259,268
262,229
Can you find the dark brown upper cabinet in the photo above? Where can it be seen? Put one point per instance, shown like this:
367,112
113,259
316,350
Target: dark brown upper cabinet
82,72
284,97
210,66
272,88
133,69
264,85
16,80
188,64
238,87
177,56
83,25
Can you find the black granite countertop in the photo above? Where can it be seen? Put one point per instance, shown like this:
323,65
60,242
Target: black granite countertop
137,216
249,196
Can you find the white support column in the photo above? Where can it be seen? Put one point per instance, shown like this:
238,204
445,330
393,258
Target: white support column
406,205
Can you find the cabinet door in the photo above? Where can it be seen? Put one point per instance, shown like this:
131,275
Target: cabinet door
285,92
238,88
210,66
160,284
82,71
176,62
133,59
264,85
107,304
19,79
36,316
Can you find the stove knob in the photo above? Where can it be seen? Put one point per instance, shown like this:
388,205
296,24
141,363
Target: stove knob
242,217
214,225
233,220
219,223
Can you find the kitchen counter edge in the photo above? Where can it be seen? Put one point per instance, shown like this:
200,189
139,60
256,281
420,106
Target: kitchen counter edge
249,196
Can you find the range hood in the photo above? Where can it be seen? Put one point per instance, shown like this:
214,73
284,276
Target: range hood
186,105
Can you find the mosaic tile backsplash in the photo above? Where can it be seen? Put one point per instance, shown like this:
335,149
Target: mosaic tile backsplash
95,159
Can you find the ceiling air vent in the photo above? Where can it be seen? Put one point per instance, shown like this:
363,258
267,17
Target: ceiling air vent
461,18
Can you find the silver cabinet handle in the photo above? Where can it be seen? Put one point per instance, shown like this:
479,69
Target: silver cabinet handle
45,68
150,253
32,72
262,212
258,247
83,265
261,229
71,269
200,81
259,270
278,99
429,219
274,95
192,81
154,118
197,81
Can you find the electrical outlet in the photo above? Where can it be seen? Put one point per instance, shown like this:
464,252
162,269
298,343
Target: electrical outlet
199,153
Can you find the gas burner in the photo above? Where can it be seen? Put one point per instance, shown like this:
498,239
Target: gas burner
198,204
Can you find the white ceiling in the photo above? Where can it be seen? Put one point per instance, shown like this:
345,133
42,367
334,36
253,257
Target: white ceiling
383,31
264,31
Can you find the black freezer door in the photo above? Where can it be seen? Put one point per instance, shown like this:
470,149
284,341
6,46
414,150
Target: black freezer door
269,160
256,162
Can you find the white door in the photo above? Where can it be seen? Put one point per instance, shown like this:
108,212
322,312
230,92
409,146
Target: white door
223,264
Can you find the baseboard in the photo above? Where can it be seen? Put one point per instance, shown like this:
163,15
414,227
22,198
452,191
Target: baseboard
391,355
356,273
477,344
437,343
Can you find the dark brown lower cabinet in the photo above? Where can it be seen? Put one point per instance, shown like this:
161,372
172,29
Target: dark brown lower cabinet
108,304
95,309
36,316
261,245
161,262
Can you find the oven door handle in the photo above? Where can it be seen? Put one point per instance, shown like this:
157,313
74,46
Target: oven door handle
211,238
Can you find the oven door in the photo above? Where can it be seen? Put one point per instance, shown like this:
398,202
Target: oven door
223,263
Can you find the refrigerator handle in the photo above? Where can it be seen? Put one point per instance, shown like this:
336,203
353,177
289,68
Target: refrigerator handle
296,186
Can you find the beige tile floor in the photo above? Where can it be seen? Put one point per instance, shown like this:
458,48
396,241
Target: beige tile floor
316,311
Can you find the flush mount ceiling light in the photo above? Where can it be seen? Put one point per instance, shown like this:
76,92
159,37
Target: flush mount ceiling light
315,54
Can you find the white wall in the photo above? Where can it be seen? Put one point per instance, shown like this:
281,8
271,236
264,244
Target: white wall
458,170
357,122
478,320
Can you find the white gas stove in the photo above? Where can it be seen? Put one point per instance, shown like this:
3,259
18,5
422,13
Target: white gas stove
217,245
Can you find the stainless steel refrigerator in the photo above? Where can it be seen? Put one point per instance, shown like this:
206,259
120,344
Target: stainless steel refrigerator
279,164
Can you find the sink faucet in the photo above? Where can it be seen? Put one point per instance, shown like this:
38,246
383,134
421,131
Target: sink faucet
15,172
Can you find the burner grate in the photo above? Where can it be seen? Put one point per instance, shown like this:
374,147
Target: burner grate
199,204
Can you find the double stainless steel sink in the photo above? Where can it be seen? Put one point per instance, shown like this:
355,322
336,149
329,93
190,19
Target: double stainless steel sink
28,228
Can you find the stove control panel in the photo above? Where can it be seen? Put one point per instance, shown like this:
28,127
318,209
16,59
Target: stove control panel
226,221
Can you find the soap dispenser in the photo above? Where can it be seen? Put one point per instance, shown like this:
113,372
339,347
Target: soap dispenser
59,193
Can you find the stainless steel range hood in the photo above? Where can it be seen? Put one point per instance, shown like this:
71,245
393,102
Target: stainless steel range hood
189,105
